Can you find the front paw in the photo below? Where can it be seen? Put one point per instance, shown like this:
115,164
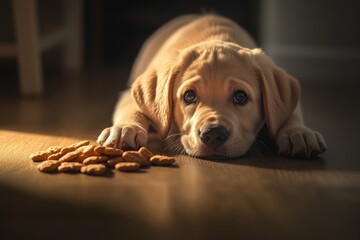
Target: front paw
123,135
300,142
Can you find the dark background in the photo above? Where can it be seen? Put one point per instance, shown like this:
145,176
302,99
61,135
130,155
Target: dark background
115,31
313,40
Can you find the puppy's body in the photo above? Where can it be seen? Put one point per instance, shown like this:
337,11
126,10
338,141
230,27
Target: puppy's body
183,32
202,77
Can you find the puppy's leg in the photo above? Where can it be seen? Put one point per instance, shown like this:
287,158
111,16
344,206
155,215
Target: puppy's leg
130,126
296,140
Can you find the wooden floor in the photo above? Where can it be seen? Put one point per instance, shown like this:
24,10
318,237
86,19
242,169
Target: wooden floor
255,197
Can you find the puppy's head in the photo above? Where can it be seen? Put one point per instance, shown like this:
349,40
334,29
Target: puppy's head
218,95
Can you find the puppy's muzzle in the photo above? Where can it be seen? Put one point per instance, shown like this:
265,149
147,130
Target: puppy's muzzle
214,136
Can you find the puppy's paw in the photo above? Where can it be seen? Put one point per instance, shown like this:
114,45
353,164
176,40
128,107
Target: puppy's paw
123,135
300,142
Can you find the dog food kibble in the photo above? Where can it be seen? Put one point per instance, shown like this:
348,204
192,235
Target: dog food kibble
48,166
92,159
112,162
56,156
68,149
70,156
70,167
127,166
108,151
87,151
93,169
95,159
162,160
134,156
43,155
146,153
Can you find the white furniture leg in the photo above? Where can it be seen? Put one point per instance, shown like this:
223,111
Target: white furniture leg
27,46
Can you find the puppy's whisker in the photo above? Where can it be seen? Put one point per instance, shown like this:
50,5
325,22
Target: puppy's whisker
181,150
175,146
178,149
173,135
172,143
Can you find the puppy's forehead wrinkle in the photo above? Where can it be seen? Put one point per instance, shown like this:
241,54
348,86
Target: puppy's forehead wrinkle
212,66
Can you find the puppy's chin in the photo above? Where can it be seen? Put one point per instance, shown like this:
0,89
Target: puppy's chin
214,155
199,150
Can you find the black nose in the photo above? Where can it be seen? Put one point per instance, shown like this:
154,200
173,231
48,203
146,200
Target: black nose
214,136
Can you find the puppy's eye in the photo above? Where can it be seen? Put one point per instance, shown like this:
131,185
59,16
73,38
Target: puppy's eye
190,96
240,97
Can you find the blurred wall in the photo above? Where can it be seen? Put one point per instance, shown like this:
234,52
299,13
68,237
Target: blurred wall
116,31
313,39
309,38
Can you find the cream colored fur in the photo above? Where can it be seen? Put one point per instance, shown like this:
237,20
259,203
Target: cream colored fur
214,57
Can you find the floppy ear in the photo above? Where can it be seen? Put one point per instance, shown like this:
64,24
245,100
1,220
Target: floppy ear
153,94
280,92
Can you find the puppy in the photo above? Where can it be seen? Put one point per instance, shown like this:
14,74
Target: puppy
202,79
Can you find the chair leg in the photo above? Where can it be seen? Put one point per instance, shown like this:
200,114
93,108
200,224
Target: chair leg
28,46
73,47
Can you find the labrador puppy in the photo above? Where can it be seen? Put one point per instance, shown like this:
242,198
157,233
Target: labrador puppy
202,79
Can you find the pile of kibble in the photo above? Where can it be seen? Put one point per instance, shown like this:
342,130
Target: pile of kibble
94,159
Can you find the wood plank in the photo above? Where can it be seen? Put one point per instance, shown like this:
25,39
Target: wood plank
254,197
213,197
